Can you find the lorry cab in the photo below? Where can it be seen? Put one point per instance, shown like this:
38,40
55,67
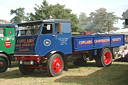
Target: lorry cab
43,45
42,37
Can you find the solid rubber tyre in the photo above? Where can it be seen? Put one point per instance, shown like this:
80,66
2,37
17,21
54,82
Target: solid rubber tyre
55,65
24,70
104,57
3,63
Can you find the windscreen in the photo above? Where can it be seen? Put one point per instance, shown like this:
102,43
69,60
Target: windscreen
28,30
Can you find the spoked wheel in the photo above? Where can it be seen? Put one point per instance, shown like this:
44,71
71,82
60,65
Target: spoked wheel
25,70
55,65
3,63
105,58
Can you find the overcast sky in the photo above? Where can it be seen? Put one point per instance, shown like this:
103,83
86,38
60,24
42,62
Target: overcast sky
77,6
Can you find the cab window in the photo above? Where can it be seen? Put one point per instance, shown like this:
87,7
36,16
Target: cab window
47,29
29,30
58,28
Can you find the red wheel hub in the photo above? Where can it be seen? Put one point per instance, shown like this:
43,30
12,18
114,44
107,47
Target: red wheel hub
1,63
57,65
107,57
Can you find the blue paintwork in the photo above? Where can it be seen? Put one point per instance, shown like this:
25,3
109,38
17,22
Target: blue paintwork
25,45
58,42
117,43
101,44
81,43
43,47
65,43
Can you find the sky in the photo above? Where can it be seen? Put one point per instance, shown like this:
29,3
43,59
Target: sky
77,6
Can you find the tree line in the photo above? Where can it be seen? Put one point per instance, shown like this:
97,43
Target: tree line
98,21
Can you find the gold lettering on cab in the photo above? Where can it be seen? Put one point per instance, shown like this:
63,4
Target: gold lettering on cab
24,49
25,43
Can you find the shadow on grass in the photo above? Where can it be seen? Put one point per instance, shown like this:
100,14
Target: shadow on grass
116,74
15,73
88,64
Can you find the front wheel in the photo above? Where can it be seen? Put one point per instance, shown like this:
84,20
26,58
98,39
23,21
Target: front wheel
3,63
25,70
104,58
55,65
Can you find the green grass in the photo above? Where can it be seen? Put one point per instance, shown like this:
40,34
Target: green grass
116,74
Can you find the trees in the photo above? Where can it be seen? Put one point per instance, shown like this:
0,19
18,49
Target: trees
4,21
125,16
83,20
44,11
57,11
104,21
98,21
19,15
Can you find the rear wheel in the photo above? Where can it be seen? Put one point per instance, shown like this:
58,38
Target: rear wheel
24,70
55,65
3,63
104,58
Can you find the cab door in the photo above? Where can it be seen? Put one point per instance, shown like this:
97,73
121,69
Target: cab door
63,38
46,39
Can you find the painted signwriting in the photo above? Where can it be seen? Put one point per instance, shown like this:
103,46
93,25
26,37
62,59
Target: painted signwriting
63,41
98,41
85,42
25,43
95,41
116,39
102,41
24,49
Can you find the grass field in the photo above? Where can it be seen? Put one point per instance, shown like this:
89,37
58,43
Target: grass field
116,74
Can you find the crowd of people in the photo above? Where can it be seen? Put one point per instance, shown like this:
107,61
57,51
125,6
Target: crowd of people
124,55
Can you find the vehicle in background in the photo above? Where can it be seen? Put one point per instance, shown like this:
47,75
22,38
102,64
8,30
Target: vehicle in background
7,44
82,33
86,33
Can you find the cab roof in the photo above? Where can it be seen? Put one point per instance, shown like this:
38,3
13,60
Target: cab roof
8,26
45,21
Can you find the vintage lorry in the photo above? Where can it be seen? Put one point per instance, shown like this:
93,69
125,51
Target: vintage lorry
48,43
7,44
